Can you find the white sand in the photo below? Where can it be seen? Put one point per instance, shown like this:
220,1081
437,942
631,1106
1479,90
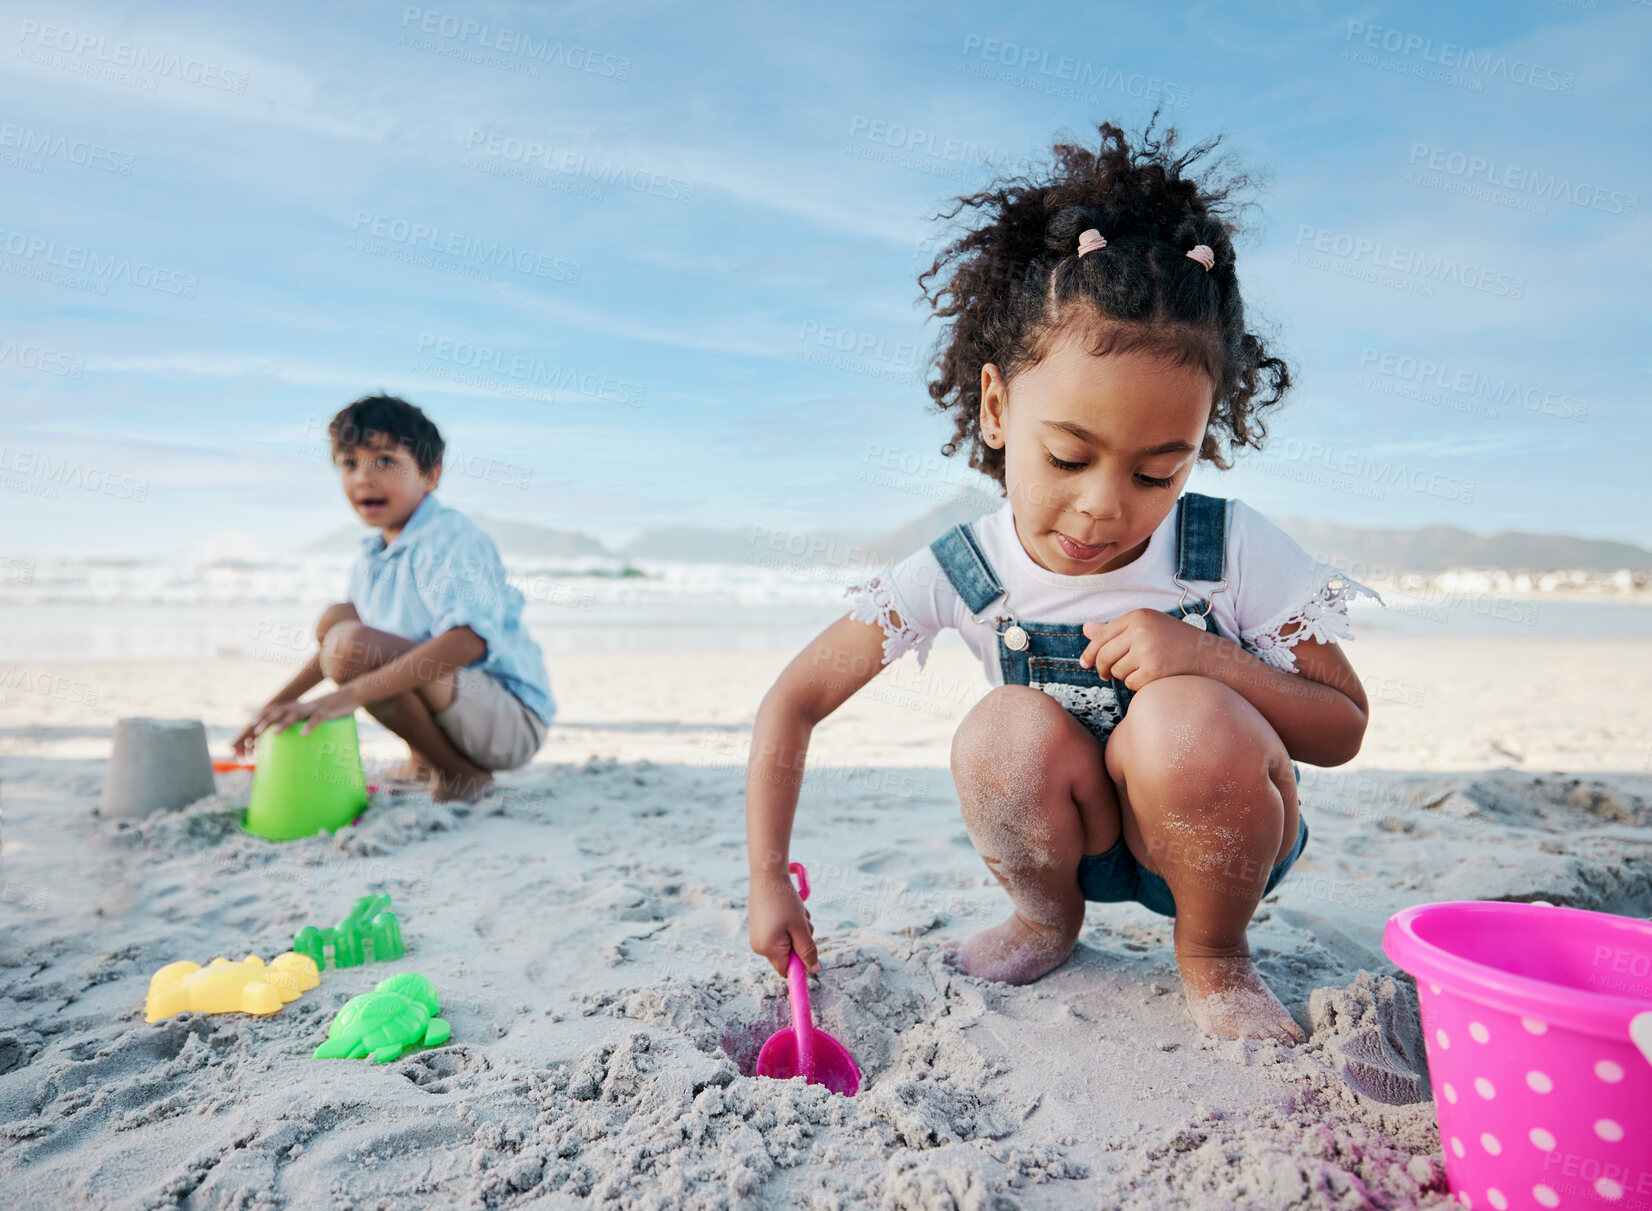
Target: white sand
587,935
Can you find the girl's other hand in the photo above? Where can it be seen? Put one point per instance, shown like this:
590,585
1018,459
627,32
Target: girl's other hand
1144,645
780,924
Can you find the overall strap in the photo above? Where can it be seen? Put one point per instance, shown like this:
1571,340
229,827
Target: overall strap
1201,530
966,566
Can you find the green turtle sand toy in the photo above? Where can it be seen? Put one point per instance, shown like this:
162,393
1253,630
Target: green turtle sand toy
370,922
397,1016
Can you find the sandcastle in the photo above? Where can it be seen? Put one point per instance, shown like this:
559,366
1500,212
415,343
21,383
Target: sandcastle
156,764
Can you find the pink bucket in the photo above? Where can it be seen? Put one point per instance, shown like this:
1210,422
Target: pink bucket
1538,1022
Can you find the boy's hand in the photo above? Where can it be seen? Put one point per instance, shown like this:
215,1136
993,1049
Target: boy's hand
242,744
1145,644
780,923
281,715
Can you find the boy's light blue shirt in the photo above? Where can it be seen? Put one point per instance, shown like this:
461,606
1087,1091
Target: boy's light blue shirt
443,572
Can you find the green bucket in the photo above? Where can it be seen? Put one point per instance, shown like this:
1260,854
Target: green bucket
304,784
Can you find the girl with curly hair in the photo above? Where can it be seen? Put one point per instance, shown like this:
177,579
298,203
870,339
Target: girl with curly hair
1160,659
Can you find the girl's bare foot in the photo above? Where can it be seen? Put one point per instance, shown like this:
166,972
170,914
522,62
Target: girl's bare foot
1015,951
463,786
1227,999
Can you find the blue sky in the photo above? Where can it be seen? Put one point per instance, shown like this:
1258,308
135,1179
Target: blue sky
648,266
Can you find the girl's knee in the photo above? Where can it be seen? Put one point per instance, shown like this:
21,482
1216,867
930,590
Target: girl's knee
1004,714
1017,764
1012,728
1194,728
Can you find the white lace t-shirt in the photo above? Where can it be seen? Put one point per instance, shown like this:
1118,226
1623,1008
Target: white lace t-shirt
1273,581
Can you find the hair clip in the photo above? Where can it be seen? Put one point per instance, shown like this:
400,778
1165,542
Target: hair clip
1203,254
1090,240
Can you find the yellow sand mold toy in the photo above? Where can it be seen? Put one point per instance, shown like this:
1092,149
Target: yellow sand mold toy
221,986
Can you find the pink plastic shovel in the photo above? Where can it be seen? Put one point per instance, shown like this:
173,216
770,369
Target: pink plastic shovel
800,1049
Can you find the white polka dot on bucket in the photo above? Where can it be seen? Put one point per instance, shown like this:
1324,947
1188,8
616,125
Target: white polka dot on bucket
1457,1146
1478,1032
1462,1197
1542,1139
1434,988
1451,1093
1545,1195
1539,1081
1609,1130
1441,1038
1490,1143
1484,1088
1607,1188
1496,1198
1534,1025
1609,1071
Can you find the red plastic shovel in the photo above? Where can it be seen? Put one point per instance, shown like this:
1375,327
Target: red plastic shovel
800,1049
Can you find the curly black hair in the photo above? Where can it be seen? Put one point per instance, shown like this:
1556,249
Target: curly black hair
394,417
1013,282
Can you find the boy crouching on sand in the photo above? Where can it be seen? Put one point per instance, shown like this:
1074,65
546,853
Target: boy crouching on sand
431,640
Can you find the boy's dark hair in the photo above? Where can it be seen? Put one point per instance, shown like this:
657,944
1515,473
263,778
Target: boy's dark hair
1014,282
396,419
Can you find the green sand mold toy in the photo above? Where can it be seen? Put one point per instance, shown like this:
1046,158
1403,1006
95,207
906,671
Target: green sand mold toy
370,925
397,1016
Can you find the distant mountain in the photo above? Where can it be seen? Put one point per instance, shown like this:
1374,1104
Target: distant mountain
1427,550
511,537
525,538
346,540
691,543
1438,548
903,540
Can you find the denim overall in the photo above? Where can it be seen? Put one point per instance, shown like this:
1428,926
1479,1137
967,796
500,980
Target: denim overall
1045,656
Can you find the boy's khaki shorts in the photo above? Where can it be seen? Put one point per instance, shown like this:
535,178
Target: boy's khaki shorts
489,724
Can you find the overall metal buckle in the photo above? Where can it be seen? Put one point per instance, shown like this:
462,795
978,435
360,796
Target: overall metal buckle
1197,620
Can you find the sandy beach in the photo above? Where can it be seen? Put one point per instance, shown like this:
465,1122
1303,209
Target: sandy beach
586,933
